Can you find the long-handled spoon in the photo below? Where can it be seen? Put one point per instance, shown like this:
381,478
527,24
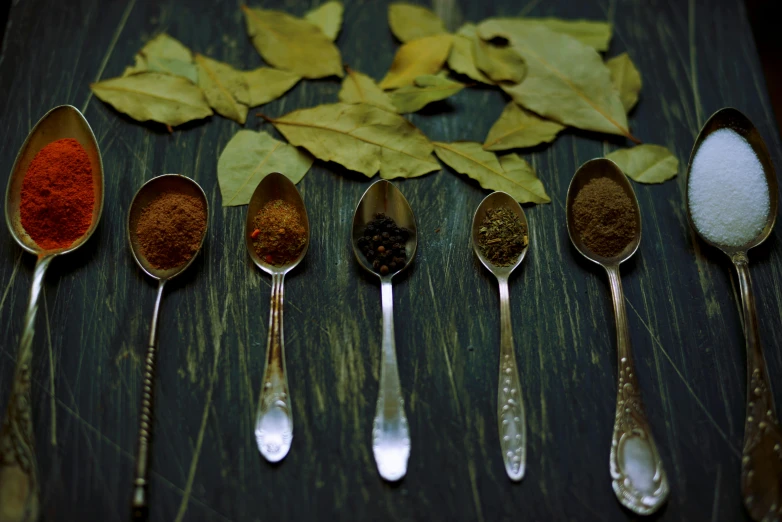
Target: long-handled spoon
637,473
390,433
761,464
274,420
148,192
18,475
510,403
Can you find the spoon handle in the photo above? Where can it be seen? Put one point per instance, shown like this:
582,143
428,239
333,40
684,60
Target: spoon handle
761,467
390,434
510,403
639,480
18,474
140,501
274,421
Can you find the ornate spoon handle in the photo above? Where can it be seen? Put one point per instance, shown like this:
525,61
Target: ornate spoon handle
637,472
18,474
140,501
761,467
274,421
510,403
390,434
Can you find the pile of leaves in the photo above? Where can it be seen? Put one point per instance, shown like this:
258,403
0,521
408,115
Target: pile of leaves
551,69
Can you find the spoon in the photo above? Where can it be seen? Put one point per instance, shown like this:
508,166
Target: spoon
390,433
761,468
147,193
510,403
637,473
19,487
274,420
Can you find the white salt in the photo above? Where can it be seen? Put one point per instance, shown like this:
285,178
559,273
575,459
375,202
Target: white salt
728,193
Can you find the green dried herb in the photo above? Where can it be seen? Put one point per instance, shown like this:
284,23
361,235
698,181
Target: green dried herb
502,237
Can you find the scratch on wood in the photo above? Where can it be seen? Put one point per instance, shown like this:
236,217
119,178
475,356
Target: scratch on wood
475,496
110,50
686,384
715,505
696,97
11,280
202,430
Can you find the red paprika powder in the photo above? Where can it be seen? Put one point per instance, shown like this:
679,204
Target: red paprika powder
58,195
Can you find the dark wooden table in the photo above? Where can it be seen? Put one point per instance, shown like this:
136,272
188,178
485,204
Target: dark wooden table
695,57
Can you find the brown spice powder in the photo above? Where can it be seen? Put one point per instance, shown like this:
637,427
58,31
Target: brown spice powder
170,229
604,216
280,235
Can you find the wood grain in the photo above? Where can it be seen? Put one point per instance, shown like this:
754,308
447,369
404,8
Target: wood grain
695,57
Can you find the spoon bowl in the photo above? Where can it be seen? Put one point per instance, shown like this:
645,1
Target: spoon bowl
511,420
593,169
761,467
146,194
59,123
637,475
274,418
275,186
383,197
493,201
19,489
390,432
175,183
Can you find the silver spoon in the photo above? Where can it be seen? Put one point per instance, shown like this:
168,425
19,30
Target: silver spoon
148,192
274,420
390,432
761,467
511,421
637,473
19,487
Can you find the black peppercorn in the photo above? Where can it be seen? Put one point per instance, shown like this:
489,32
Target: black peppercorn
384,269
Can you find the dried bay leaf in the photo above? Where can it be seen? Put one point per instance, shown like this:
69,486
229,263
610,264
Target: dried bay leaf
360,88
626,79
522,173
225,88
592,33
518,128
566,80
646,163
265,84
427,89
249,157
417,58
508,173
362,138
461,60
293,44
171,100
409,22
328,17
167,55
499,63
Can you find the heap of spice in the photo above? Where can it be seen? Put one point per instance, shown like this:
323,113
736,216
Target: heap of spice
728,193
383,244
170,229
502,236
279,234
58,195
604,216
